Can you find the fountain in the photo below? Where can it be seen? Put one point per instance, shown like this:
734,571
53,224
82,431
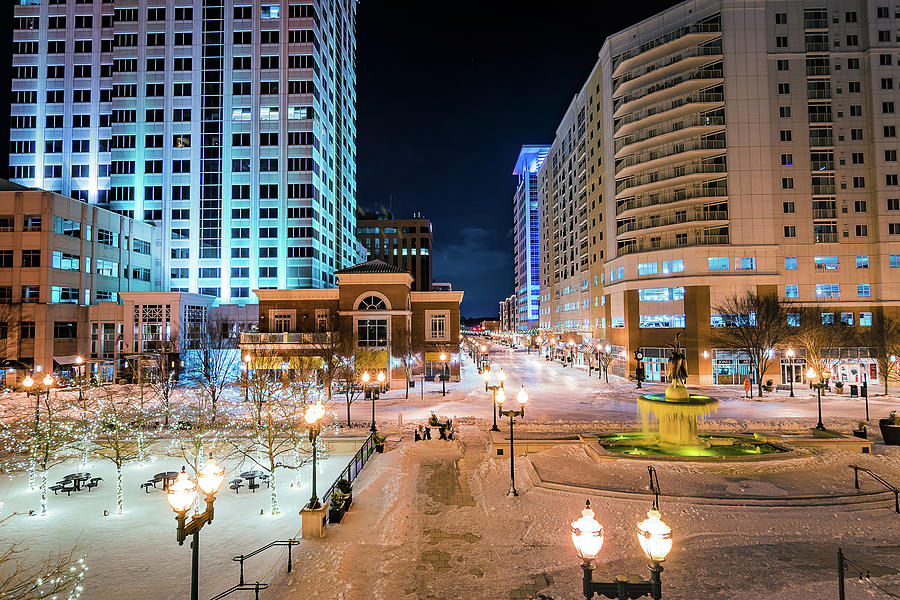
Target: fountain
677,412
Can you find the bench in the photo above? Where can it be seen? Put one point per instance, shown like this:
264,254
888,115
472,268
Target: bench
236,485
56,488
91,484
253,486
67,489
146,486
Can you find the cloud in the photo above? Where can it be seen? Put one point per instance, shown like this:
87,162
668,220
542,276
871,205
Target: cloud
478,262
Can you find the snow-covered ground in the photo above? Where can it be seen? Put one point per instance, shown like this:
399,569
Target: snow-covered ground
135,555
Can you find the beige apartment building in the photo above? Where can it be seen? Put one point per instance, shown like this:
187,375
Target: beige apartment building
719,147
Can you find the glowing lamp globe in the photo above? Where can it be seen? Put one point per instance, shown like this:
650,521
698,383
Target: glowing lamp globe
654,536
571,343
314,412
210,477
500,397
380,376
826,373
182,493
247,359
443,357
486,375
522,396
501,376
28,382
587,535
366,377
483,347
790,353
48,380
811,373
78,360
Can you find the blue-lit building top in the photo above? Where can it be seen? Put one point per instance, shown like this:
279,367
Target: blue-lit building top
230,124
526,236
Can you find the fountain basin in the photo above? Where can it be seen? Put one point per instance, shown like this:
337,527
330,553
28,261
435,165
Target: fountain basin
709,447
677,416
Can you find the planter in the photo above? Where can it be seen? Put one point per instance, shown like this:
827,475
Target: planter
838,390
336,514
890,432
379,447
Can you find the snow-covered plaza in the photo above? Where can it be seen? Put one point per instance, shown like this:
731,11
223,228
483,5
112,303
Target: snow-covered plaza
432,519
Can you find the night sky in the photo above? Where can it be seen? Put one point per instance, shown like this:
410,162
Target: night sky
446,99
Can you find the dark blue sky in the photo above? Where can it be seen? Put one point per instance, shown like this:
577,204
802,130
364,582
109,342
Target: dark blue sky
447,95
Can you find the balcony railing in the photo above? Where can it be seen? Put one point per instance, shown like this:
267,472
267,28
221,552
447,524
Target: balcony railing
826,238
665,39
662,199
663,176
663,107
667,152
822,165
823,189
695,239
824,213
698,74
694,52
817,46
672,219
289,338
818,70
821,141
826,117
663,129
818,94
815,23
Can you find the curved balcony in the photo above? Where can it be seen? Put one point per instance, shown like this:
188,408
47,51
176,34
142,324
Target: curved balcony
691,58
282,340
683,84
673,41
696,126
672,220
668,111
675,199
694,238
691,151
671,177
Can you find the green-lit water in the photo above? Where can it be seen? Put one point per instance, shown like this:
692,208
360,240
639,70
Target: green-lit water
630,443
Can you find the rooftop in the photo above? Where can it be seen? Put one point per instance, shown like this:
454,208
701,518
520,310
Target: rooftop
372,266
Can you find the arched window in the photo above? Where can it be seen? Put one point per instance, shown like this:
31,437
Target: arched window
371,303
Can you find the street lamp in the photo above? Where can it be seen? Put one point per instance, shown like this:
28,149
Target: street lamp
571,357
655,539
790,356
443,360
522,397
373,391
245,376
810,375
489,387
313,417
181,495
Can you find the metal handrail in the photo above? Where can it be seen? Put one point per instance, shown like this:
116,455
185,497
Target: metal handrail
879,479
354,467
256,586
243,587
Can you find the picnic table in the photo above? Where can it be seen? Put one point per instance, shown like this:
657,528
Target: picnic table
166,478
251,476
76,479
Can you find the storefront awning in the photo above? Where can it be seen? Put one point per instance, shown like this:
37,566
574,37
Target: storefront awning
293,362
66,360
436,356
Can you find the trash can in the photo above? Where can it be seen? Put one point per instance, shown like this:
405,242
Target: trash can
854,391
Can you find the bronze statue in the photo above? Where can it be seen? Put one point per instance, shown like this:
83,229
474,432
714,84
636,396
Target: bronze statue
677,370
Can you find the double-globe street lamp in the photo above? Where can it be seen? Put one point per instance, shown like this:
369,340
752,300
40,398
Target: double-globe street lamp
444,373
313,417
38,393
821,383
790,357
493,388
373,390
655,539
522,397
181,496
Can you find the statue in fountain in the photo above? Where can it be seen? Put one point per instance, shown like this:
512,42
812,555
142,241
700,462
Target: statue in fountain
677,371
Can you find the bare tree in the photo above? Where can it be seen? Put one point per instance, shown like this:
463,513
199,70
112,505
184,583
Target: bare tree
346,381
196,436
52,440
60,575
120,435
820,336
160,369
755,324
215,361
411,355
884,343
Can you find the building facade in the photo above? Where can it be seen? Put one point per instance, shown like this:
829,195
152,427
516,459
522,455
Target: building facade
509,320
716,148
230,124
372,318
526,237
404,243
58,257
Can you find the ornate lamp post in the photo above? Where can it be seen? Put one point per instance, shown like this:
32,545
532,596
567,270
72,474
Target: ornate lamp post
655,539
810,375
522,397
481,357
790,357
38,393
489,387
181,495
313,417
373,391
444,375
245,376
571,353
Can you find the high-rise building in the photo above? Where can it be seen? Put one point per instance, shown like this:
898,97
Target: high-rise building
231,124
720,147
526,238
403,243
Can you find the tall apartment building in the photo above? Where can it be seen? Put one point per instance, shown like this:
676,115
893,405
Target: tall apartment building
526,236
719,147
403,243
231,124
58,257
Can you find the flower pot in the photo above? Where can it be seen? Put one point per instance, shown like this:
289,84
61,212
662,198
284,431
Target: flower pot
335,514
890,432
379,447
838,390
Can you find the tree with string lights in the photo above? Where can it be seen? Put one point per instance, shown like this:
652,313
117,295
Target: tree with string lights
119,439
